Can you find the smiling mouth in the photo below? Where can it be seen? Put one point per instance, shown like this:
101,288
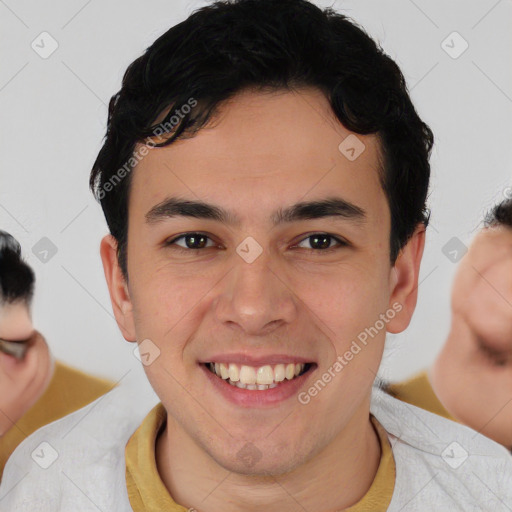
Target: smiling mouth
258,378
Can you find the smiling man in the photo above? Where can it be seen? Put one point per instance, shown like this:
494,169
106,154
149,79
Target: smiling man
269,319
264,178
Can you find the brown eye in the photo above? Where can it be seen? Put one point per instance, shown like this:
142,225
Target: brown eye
190,241
320,242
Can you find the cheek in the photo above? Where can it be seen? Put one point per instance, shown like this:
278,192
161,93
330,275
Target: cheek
341,301
167,311
167,306
345,303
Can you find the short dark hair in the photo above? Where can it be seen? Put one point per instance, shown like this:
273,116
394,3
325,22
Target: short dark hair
229,46
16,277
500,215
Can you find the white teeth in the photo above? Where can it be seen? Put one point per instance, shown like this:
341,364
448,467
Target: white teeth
265,375
262,378
279,373
233,373
224,373
247,375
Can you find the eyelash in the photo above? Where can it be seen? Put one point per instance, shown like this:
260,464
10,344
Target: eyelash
341,243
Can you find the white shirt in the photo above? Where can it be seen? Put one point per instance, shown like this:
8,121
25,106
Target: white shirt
440,465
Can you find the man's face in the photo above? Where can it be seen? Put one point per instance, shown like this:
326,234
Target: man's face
22,381
473,374
301,300
482,291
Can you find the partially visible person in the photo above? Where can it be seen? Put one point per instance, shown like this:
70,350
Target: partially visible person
471,379
34,389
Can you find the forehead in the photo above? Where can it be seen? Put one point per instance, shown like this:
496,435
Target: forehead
492,244
263,148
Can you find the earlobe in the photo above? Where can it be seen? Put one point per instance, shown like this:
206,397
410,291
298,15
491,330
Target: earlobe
404,280
117,287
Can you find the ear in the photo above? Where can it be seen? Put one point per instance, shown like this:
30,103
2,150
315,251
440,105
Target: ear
404,281
117,287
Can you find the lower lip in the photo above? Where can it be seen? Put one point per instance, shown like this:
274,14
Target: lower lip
256,397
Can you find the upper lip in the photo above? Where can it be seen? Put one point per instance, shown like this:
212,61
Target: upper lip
250,360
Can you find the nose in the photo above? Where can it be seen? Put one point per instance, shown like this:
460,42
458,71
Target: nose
255,298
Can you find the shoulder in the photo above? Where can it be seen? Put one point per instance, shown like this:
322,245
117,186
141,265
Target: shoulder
77,462
418,391
69,390
442,465
64,373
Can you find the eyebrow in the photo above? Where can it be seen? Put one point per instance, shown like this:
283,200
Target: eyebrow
335,207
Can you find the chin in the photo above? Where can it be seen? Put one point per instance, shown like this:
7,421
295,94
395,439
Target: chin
251,461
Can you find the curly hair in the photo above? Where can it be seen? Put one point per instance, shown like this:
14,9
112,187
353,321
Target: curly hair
228,46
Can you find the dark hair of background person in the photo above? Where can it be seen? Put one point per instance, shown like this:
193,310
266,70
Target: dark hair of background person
268,45
500,215
16,277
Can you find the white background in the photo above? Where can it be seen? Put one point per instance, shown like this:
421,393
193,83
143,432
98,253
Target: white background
54,117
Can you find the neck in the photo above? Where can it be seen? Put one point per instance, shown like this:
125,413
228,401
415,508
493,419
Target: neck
338,476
